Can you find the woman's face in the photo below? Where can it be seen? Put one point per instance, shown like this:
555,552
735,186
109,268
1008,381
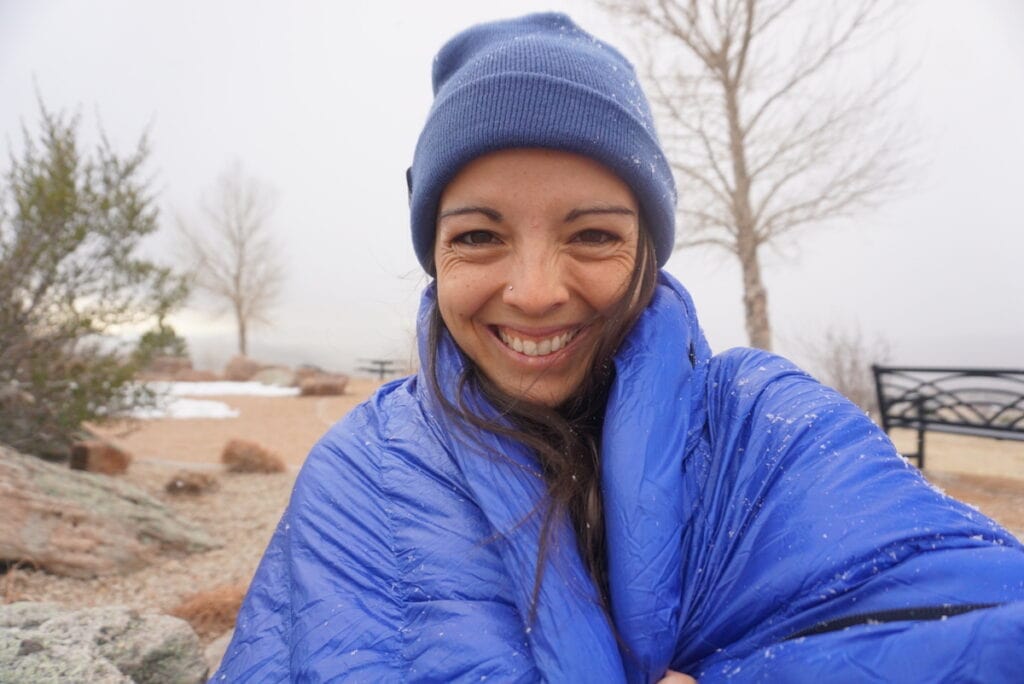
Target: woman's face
533,248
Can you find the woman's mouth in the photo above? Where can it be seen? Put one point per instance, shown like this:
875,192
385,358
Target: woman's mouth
533,346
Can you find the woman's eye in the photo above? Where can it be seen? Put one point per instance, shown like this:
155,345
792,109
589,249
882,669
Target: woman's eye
476,238
594,237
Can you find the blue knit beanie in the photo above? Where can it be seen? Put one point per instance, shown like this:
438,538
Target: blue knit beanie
538,81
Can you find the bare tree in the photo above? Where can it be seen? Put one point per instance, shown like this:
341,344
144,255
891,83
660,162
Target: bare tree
766,132
235,259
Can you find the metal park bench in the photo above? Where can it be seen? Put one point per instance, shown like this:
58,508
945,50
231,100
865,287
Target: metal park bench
982,402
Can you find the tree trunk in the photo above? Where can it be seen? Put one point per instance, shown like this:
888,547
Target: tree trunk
755,297
243,342
81,524
755,300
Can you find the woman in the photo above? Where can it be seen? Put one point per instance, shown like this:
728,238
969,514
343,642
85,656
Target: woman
573,488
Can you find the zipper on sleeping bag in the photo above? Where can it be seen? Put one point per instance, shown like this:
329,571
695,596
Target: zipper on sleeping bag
897,615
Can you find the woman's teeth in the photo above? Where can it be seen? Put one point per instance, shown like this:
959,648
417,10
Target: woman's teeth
535,348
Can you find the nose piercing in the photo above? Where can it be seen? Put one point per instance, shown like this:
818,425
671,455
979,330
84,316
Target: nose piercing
509,288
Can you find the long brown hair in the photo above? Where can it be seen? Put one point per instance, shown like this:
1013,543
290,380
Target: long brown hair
565,439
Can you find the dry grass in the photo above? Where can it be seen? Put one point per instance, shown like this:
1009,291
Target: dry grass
241,456
10,584
213,611
191,483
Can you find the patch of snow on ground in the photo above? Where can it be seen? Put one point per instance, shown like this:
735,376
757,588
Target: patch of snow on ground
172,399
222,389
178,407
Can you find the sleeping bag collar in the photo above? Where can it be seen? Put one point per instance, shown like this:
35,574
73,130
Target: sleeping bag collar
655,416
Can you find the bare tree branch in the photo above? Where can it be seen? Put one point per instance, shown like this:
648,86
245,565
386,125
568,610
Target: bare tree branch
764,133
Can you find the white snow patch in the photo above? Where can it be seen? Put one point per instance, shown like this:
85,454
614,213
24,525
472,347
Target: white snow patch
222,389
173,398
177,407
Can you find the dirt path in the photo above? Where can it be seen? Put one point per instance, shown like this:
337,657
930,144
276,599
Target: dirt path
986,473
1000,498
286,425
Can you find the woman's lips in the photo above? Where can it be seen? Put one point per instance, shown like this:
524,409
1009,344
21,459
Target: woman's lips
536,345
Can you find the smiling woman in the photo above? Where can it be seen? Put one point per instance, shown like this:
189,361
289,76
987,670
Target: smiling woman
573,487
534,250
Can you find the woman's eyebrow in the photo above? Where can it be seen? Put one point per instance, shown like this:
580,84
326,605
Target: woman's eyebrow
586,211
459,211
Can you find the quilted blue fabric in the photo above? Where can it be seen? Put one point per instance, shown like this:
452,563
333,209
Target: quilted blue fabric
745,503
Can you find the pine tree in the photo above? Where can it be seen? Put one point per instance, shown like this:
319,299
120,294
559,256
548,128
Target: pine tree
71,275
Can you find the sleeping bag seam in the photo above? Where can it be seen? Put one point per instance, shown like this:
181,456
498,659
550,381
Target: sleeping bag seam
398,587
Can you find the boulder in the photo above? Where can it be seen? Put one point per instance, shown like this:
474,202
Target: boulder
241,456
25,659
41,642
191,482
241,369
323,385
307,370
26,614
96,456
80,524
279,376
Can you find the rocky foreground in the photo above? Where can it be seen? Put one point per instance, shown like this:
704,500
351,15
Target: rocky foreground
242,511
43,642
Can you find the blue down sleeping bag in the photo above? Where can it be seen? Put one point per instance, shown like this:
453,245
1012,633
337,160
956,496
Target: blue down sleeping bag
760,527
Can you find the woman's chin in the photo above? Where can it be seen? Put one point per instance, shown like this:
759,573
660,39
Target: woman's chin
545,391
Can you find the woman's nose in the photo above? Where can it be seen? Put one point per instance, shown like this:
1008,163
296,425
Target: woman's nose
536,285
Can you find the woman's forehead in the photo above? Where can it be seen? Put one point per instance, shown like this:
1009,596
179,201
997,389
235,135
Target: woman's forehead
542,177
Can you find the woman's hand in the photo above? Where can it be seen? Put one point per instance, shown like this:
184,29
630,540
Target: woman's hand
673,677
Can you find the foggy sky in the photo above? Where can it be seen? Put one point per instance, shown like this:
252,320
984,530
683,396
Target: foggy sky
324,103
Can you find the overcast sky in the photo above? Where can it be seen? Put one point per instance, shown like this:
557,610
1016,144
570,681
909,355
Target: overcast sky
324,101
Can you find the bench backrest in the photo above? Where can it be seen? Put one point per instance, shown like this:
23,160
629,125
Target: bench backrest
981,401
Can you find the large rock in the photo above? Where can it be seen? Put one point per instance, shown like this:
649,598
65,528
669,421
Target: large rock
307,370
40,642
241,369
324,385
278,376
79,524
29,660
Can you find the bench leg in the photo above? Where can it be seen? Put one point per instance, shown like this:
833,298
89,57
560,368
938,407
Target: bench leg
920,447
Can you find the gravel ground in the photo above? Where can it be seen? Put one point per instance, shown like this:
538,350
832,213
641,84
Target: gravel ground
1000,498
242,513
